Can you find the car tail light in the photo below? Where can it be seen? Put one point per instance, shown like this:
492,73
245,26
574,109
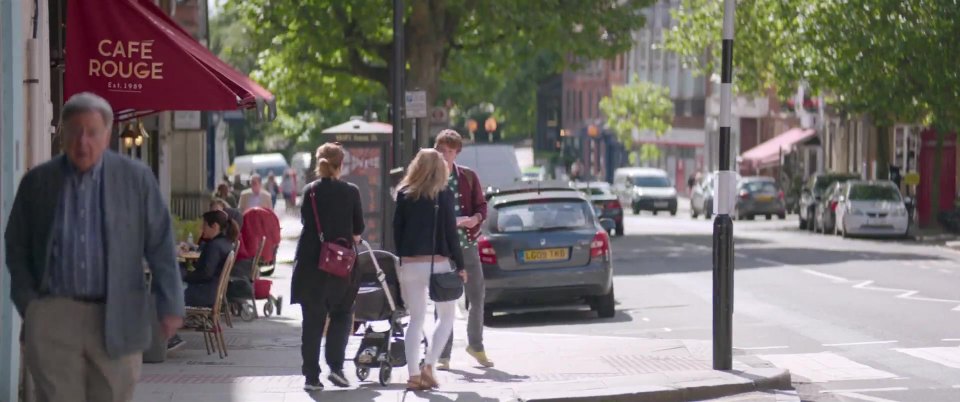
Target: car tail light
744,194
487,254
600,245
780,195
833,206
612,205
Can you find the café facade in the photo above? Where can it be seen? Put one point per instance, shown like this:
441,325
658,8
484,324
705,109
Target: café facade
148,59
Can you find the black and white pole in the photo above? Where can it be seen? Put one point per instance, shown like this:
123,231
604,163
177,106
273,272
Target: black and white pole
725,199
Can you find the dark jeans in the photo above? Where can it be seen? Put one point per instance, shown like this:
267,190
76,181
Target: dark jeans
314,319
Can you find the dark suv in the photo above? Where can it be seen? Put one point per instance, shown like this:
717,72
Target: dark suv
813,193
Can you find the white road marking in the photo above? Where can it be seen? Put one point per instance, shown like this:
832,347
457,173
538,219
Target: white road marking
828,276
766,261
950,340
945,271
947,356
863,397
739,255
825,367
859,343
956,386
857,390
645,319
667,330
925,267
762,348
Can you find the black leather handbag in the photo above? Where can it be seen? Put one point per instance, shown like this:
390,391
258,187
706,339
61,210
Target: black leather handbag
446,286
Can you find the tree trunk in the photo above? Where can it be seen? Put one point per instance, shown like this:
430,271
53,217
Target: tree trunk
426,46
935,183
883,153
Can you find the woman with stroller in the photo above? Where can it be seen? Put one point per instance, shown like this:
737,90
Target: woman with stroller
336,206
425,232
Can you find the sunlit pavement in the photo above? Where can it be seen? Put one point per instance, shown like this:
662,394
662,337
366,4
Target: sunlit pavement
533,363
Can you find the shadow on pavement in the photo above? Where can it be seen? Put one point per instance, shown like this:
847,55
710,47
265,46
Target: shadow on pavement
565,316
489,374
668,254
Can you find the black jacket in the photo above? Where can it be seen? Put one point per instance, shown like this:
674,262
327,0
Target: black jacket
413,224
203,280
341,217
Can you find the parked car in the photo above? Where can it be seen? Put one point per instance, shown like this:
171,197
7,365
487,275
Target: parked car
545,248
701,198
645,189
496,165
872,208
812,194
534,173
605,203
825,217
759,196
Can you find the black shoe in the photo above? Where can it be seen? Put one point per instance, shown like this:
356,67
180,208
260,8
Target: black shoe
338,379
175,343
313,385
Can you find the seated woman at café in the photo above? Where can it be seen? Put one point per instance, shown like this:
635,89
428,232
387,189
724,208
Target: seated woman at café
218,236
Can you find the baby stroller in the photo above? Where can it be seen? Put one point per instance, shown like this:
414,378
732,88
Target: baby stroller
259,241
378,300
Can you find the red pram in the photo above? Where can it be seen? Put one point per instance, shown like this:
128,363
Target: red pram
259,241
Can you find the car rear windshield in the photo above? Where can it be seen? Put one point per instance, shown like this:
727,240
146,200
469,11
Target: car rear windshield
543,215
594,191
826,181
651,181
866,192
765,187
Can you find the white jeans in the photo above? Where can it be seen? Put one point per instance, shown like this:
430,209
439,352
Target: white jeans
414,286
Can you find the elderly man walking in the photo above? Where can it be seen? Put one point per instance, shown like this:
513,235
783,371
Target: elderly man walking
81,227
255,196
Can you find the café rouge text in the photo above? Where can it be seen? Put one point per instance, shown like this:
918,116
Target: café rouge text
126,59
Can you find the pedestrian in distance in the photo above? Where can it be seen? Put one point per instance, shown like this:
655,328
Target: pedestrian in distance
335,205
273,188
81,227
255,196
425,232
470,207
223,192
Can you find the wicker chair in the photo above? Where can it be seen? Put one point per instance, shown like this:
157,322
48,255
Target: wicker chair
208,319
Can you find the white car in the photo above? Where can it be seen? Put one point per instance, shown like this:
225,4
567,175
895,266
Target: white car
872,208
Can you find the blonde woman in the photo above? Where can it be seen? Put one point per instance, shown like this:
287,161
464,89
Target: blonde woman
335,205
425,232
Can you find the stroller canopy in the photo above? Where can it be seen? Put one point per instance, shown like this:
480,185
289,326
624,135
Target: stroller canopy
257,223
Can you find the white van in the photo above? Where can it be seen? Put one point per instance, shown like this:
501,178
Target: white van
496,165
645,189
262,164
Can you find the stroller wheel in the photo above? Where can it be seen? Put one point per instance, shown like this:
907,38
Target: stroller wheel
268,308
363,373
385,371
248,311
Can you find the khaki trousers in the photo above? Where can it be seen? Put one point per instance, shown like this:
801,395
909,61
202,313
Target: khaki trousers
66,357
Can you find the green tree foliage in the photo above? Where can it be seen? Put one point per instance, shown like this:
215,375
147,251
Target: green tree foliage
326,53
882,58
641,106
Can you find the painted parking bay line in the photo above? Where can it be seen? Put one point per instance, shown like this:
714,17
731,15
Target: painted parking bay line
826,367
947,356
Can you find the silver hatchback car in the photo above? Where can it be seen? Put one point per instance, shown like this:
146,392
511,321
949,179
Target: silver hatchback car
546,248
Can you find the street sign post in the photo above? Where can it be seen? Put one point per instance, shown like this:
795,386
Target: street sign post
415,103
725,200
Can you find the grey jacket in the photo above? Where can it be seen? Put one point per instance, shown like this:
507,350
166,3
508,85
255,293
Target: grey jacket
137,228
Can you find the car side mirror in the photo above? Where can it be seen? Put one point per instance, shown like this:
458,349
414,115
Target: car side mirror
608,224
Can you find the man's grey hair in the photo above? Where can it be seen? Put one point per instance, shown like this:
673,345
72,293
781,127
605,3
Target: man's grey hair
255,176
86,102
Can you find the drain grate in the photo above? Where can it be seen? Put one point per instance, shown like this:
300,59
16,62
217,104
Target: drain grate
641,364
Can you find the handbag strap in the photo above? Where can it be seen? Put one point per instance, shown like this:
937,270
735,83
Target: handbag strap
433,249
316,214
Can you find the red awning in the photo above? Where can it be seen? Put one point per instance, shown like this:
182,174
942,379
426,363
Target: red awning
131,53
769,152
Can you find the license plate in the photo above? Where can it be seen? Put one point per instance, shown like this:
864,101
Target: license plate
660,204
546,254
764,198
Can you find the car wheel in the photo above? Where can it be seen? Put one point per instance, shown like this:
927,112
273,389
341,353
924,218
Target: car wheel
636,209
619,229
803,224
782,216
813,221
606,305
769,217
673,212
708,215
655,212
693,212
487,313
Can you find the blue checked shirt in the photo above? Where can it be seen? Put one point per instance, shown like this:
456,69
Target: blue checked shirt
77,265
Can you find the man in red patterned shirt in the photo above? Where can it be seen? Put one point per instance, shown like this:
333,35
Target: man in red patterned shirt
471,209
